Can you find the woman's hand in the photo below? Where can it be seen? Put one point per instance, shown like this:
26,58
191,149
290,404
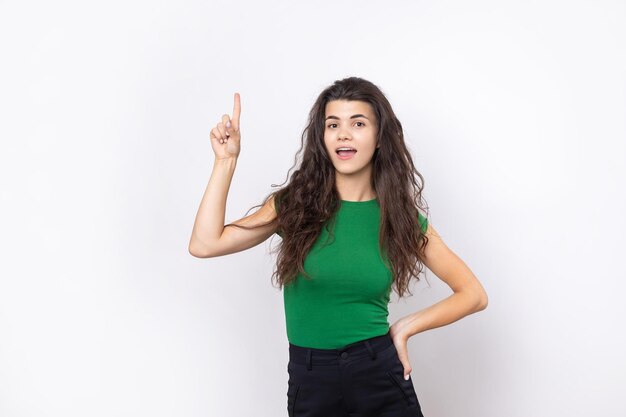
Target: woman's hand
400,340
225,136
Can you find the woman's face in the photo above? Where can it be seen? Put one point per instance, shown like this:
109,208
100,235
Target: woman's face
350,124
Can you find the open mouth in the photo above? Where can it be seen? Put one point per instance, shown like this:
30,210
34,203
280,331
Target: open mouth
345,152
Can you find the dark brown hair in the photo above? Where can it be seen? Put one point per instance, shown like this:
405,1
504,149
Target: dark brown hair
310,199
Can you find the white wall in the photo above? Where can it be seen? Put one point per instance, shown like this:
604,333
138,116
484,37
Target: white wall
515,112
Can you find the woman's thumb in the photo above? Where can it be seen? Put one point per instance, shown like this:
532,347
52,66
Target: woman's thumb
228,130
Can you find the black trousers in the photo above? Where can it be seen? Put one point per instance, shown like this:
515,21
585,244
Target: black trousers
362,379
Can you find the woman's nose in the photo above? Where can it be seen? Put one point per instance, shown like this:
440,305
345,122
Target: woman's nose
344,134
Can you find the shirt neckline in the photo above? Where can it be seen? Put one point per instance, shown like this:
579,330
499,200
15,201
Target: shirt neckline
356,203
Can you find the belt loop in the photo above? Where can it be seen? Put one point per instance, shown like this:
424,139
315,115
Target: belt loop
308,359
370,350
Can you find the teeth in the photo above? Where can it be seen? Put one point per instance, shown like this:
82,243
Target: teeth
345,149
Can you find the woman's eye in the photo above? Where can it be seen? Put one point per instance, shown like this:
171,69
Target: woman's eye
335,124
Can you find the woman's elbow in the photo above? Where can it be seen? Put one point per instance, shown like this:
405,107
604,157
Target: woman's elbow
483,300
195,253
199,251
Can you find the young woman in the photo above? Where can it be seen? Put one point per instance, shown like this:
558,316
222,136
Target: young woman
351,230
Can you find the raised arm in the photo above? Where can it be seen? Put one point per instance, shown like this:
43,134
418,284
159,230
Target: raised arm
209,237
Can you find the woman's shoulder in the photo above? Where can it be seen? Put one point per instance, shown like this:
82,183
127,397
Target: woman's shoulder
423,221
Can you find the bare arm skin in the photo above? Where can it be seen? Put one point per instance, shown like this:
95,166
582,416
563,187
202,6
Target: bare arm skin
469,296
210,242
209,237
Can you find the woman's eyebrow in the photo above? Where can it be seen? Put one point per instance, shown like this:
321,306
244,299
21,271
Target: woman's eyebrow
354,116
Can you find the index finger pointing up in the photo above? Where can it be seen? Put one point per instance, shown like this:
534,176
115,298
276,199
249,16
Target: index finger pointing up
236,111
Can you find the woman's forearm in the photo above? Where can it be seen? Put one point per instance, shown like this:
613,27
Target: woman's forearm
210,217
446,311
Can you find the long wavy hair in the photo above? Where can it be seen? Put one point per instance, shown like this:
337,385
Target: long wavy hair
310,199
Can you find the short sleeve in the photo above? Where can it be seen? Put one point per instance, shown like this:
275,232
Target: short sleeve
423,221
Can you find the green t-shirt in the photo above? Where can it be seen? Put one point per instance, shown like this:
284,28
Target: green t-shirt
346,300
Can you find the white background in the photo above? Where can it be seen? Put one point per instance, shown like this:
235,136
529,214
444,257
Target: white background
516,116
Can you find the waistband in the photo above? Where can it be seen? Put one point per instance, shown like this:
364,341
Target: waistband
362,348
